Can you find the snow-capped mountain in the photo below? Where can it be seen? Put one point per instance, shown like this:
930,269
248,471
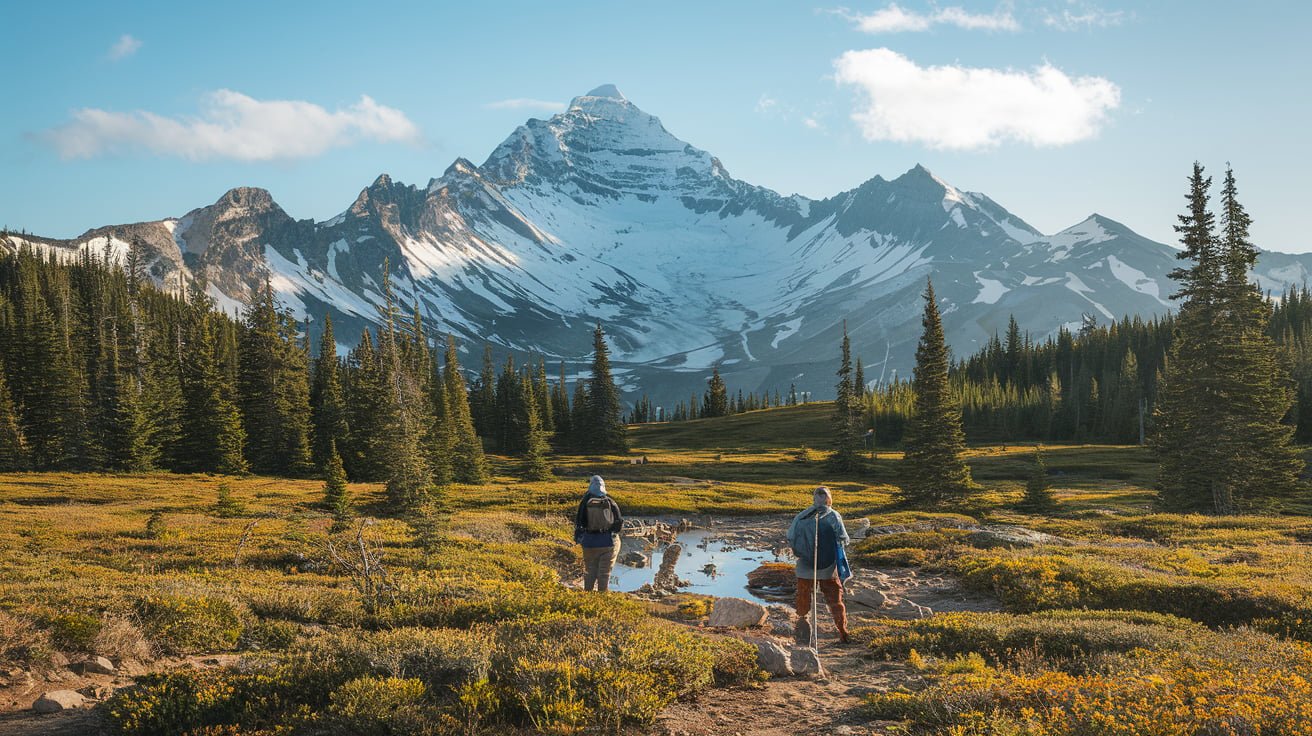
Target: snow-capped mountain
601,214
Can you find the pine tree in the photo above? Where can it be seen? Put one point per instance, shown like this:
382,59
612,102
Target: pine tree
1038,495
560,409
483,400
604,429
512,412
213,436
1220,437
847,415
716,401
336,497
859,382
328,411
932,468
274,389
13,446
406,419
368,391
468,464
536,466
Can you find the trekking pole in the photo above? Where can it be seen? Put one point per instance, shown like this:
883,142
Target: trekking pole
815,585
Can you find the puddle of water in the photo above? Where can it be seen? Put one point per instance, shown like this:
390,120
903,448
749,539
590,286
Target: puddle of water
728,580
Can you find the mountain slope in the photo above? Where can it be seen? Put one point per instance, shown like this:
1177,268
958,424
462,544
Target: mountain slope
601,214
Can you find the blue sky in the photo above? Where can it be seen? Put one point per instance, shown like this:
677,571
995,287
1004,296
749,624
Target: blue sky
1056,109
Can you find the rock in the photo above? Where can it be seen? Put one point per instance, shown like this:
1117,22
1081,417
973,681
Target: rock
57,659
869,597
633,558
666,579
802,632
806,662
773,658
737,613
1005,535
709,569
97,666
57,700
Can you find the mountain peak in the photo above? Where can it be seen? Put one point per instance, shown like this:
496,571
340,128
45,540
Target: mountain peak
606,90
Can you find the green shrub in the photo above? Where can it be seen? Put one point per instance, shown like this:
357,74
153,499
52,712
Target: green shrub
560,673
1003,637
72,631
263,635
441,659
185,624
185,700
381,706
735,663
1035,581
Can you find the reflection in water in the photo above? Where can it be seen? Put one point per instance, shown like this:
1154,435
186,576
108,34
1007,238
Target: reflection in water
711,566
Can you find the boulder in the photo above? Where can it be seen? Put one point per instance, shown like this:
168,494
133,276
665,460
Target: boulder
57,700
633,558
1006,535
773,658
806,662
736,613
97,666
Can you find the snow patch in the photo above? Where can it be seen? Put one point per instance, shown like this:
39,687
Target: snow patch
990,290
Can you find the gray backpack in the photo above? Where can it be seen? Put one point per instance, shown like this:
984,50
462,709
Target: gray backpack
600,514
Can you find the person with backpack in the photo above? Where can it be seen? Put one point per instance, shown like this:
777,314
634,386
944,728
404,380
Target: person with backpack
818,537
597,527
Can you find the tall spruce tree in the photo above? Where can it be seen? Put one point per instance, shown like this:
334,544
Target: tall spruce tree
213,437
328,412
336,496
13,446
715,403
369,432
536,466
932,468
560,409
1220,437
604,428
847,415
404,411
468,464
273,384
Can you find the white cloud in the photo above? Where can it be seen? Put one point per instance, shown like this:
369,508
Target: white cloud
812,123
232,126
963,108
1085,18
895,19
524,103
124,47
766,105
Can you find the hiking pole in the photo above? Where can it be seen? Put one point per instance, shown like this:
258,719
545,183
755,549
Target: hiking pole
815,584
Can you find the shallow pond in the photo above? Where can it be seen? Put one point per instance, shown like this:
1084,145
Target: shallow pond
700,548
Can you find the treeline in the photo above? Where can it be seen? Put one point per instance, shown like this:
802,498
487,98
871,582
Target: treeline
1089,386
715,401
100,370
1093,385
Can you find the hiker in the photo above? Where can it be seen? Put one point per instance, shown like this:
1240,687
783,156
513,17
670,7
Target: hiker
597,527
818,536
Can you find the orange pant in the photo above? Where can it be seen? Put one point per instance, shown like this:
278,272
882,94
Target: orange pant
833,593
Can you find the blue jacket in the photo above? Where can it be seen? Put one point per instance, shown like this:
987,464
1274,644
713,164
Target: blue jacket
833,536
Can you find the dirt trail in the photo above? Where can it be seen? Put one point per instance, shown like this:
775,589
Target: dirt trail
801,707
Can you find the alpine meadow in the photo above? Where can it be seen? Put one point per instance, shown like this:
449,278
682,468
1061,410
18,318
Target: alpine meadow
595,437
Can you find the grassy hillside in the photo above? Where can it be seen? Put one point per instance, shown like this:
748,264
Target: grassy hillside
784,427
464,612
